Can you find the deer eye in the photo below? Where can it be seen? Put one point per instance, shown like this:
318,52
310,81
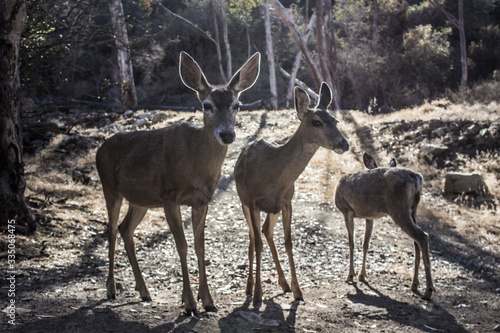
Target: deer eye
207,107
317,123
236,107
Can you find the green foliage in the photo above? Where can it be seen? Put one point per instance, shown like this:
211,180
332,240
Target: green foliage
426,54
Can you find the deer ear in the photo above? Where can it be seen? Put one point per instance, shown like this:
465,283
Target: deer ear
192,76
393,163
246,76
369,161
301,102
325,96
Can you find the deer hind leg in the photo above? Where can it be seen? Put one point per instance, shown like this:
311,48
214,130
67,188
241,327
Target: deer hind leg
113,204
174,220
409,226
251,250
349,224
287,229
268,231
415,283
198,218
366,243
134,216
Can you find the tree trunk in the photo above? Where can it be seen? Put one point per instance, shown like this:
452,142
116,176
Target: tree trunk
463,45
225,33
126,74
270,57
326,48
217,39
296,63
460,25
287,19
13,209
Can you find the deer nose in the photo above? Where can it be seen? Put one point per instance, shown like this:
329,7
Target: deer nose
227,137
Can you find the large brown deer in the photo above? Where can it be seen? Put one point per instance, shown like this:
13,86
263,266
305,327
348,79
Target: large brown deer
378,192
169,167
265,174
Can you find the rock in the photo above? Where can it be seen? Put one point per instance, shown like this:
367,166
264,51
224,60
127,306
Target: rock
457,182
440,132
128,113
159,117
435,123
140,122
434,150
473,129
146,116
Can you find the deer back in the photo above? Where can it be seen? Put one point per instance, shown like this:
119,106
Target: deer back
378,192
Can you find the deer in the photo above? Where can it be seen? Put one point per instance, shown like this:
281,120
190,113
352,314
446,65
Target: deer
378,192
169,167
265,174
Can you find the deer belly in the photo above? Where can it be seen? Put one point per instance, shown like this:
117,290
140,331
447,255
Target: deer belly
195,197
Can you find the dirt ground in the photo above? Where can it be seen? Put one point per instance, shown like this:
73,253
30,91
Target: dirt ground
60,272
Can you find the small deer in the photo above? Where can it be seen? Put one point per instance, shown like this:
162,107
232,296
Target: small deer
265,174
169,167
378,192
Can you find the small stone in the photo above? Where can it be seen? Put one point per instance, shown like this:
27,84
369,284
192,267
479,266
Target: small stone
140,122
434,150
457,182
159,117
128,113
146,116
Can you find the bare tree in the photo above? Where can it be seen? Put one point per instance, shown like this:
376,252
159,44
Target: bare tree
296,63
270,57
225,34
459,24
126,74
217,38
13,209
289,22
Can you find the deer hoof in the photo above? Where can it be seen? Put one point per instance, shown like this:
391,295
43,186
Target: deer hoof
146,298
192,312
428,293
111,297
350,278
211,308
362,278
299,299
257,304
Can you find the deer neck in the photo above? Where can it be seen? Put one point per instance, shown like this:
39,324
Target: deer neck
211,149
295,155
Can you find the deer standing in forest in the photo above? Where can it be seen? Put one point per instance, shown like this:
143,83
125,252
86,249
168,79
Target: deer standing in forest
169,167
265,174
378,192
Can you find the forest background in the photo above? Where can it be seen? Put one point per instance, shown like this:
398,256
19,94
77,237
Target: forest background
385,54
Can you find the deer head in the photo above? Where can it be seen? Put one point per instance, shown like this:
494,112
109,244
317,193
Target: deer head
220,103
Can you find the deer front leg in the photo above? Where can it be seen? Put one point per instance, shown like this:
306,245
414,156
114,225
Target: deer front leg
198,217
349,223
268,231
287,229
174,220
366,243
134,216
255,219
251,250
